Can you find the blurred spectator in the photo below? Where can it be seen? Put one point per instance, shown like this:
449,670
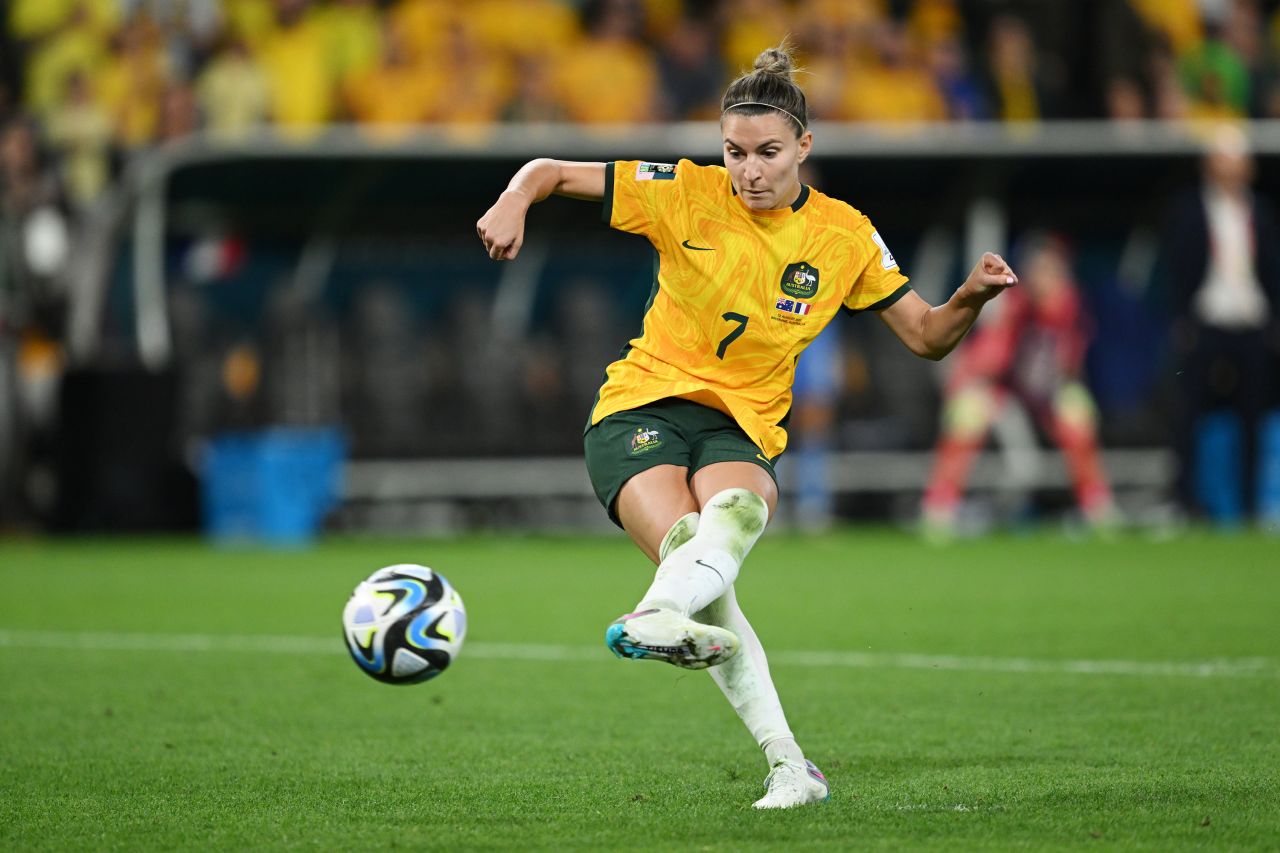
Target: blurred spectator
81,129
691,71
1215,79
895,87
611,78
1178,21
535,98
423,24
812,428
747,25
1018,77
1223,261
187,29
1029,351
393,94
76,44
33,231
1245,33
132,82
934,21
957,84
295,57
524,28
470,86
354,29
179,112
1125,101
1170,100
233,91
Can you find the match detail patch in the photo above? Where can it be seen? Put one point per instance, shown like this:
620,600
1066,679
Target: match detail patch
656,172
886,257
792,306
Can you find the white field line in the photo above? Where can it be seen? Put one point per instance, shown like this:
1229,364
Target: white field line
1256,667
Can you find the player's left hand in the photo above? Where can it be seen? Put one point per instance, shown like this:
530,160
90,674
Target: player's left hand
990,276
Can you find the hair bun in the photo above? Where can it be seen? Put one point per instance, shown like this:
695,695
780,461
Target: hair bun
776,60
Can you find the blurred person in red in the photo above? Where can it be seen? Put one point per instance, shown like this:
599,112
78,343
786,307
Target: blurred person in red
1222,253
1030,352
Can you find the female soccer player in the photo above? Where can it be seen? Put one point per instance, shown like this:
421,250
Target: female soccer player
684,434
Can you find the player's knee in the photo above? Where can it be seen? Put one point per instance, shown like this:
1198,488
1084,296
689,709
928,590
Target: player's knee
967,413
1074,409
738,516
681,532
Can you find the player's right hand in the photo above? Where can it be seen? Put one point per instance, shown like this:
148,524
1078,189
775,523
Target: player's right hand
990,276
501,229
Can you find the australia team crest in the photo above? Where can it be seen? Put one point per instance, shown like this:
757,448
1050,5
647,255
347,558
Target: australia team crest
800,280
645,439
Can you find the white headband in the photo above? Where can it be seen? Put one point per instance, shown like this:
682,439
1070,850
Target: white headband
798,122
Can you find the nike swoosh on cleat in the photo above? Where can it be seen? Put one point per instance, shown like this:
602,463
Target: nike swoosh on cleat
697,248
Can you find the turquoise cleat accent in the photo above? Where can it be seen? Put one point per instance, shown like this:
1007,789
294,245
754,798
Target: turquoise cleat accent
669,636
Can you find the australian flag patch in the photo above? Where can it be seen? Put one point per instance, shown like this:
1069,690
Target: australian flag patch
792,306
656,172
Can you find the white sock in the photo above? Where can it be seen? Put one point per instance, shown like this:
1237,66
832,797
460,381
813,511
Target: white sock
745,681
765,719
698,572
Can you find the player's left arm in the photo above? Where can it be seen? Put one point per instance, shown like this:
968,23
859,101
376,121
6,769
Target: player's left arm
932,332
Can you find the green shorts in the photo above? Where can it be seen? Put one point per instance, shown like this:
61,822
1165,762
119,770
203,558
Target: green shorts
665,432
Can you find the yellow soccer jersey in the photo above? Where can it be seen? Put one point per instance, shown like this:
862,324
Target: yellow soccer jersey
739,292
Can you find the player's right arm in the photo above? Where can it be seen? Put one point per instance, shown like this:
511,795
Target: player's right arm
501,229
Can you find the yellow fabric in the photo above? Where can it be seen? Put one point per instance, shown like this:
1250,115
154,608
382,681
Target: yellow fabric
424,25
252,21
1017,99
131,87
79,50
747,254
295,60
355,38
30,19
935,20
753,26
234,95
1179,20
523,27
876,93
607,82
392,98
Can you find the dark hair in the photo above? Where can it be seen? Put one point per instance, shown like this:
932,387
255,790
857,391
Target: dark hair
769,85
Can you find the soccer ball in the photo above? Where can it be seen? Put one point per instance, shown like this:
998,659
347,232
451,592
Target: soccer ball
404,624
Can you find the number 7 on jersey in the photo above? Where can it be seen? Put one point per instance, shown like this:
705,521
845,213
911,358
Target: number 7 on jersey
733,335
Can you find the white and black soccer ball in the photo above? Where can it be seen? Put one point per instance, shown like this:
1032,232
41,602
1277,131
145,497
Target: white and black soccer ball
404,624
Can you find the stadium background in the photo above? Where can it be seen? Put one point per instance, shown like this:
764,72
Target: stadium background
228,217
229,237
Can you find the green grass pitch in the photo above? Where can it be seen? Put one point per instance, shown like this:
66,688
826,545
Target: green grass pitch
1010,693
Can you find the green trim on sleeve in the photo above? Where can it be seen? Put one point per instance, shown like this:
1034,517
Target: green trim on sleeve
902,291
606,210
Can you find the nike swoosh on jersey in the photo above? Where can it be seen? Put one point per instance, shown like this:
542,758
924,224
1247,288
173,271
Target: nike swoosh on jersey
763,459
697,248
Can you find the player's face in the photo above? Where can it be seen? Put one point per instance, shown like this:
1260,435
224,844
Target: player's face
763,157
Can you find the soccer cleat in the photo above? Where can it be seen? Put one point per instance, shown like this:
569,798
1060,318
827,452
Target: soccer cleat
669,636
791,784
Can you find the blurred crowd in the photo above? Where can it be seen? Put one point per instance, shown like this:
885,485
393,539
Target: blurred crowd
87,84
102,78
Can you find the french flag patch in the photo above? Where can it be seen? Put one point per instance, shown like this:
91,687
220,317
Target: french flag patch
792,306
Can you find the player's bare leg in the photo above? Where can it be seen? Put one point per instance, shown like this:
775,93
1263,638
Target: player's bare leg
1075,430
967,416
